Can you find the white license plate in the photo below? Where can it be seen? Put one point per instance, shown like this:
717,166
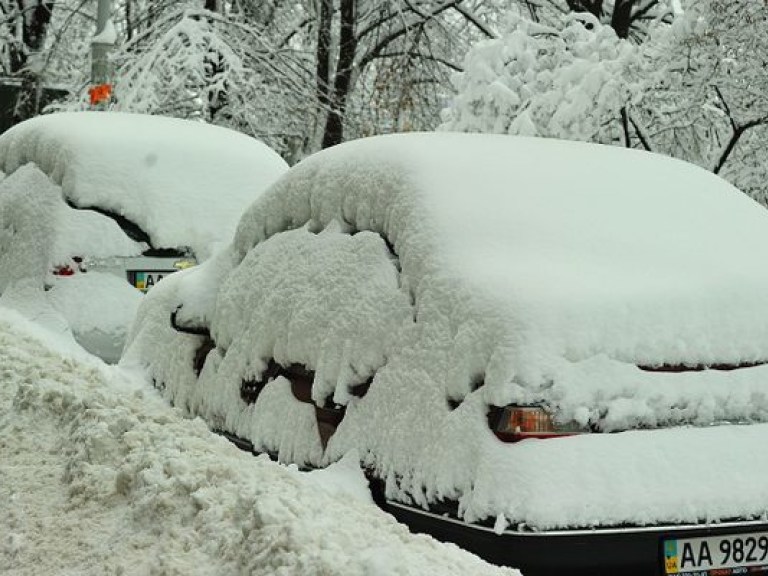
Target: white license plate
717,555
144,280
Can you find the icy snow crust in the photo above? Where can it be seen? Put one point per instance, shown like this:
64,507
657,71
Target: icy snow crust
99,476
185,183
523,270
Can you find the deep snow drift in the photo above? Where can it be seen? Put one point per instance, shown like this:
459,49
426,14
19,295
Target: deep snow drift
99,476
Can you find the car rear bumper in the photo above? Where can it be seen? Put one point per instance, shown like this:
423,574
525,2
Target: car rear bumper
619,551
631,551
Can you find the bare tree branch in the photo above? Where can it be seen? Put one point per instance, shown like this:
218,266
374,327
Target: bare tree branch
738,132
475,21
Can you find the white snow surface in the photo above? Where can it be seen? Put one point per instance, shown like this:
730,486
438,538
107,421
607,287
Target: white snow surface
99,476
185,183
39,231
527,270
609,251
27,224
30,204
99,308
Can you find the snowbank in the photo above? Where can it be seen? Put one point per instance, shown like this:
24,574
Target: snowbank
100,476
185,183
99,308
26,226
522,270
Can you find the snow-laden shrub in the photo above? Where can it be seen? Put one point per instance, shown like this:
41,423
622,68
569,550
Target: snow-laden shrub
568,83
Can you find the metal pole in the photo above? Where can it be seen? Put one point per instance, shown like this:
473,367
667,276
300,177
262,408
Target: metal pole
101,45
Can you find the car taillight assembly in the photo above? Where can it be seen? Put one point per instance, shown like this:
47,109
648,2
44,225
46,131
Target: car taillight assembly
515,423
76,265
63,271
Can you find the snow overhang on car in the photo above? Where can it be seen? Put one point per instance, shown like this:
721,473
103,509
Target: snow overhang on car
460,276
183,183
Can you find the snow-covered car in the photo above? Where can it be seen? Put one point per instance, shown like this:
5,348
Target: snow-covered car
553,353
117,202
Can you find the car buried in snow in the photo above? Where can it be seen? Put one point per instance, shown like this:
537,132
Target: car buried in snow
552,353
92,199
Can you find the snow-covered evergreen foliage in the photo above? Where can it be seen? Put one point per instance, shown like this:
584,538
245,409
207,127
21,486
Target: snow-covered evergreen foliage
537,80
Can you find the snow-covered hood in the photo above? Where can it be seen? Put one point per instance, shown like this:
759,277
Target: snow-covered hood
185,183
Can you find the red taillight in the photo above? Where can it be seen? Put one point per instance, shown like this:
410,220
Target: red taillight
63,271
76,265
514,423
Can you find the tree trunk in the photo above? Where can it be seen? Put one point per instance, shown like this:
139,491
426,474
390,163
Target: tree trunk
593,6
621,20
334,126
36,21
217,100
323,70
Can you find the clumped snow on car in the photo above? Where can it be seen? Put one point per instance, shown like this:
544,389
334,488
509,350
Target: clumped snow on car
130,197
418,298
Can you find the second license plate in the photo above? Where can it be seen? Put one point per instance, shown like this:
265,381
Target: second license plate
721,555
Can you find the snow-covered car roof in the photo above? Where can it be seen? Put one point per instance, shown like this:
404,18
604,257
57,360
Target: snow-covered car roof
457,272
184,183
566,249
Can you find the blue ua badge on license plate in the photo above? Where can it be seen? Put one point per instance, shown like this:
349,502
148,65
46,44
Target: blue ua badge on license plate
719,555
147,279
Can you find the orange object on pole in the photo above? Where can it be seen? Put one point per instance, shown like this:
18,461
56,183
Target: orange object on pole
100,93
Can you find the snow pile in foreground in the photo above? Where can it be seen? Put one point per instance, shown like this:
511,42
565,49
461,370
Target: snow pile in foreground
185,183
99,476
509,282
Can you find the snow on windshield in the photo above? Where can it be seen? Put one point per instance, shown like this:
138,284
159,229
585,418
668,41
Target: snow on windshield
100,476
523,271
185,183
